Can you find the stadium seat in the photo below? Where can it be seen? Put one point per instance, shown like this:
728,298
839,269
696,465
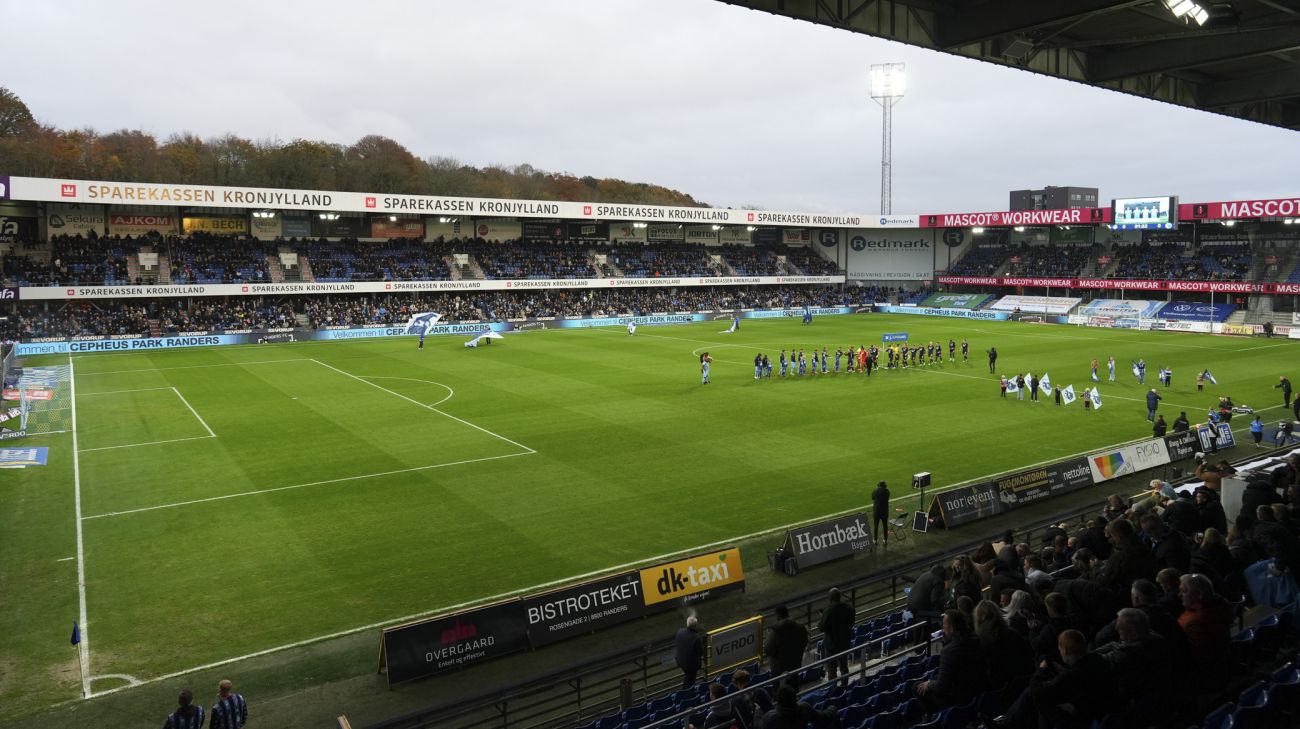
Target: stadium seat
958,717
887,720
852,715
1284,690
1220,718
1252,707
912,712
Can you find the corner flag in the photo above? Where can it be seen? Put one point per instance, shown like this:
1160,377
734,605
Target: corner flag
1096,399
1067,395
76,633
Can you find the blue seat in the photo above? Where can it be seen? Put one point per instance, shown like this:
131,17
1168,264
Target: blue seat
958,717
1252,707
852,715
1220,718
1284,691
912,711
886,720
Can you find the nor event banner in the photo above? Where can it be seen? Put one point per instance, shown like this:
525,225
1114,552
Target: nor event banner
878,254
426,647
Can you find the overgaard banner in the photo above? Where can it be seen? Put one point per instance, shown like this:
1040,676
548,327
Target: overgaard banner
693,579
571,611
830,540
427,647
734,645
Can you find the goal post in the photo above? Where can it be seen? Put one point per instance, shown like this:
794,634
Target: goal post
42,403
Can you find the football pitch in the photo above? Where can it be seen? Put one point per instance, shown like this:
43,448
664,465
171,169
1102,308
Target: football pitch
222,502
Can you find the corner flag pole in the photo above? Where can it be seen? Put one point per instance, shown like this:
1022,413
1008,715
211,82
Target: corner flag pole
76,645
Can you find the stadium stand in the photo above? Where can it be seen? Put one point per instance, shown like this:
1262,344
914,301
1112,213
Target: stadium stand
982,260
1049,260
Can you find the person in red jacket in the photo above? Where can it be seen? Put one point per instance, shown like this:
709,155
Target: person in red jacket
1207,621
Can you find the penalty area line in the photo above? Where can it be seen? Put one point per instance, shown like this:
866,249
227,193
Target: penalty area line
326,482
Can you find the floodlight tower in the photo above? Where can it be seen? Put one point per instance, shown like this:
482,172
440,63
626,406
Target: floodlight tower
888,84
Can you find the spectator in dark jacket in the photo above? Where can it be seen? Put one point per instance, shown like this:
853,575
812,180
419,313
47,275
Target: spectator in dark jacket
1093,538
791,713
1043,633
690,651
1209,510
880,510
926,598
722,715
1007,654
1275,539
836,626
786,642
1005,578
966,581
1068,694
961,673
1182,515
1207,621
1129,560
1169,547
1213,559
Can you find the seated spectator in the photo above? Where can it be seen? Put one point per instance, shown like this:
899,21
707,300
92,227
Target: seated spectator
1069,695
1207,621
962,667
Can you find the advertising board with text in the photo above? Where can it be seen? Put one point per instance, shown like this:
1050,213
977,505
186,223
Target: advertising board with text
830,540
426,647
692,579
564,613
733,645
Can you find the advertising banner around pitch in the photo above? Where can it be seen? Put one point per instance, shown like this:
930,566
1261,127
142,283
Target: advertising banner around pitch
1181,445
1026,487
693,579
427,647
133,225
383,227
1196,311
571,611
830,540
76,221
735,645
266,228
220,226
954,301
1225,437
1128,459
966,504
1044,304
875,254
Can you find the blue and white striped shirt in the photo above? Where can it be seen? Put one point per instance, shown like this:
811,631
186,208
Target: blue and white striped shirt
230,712
179,720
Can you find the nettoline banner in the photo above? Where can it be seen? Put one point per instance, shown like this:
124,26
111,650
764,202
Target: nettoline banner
380,287
974,501
830,540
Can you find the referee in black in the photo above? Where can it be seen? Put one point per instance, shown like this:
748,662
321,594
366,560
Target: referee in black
188,715
993,358
230,711
880,510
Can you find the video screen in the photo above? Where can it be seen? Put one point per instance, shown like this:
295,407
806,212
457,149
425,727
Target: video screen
1145,212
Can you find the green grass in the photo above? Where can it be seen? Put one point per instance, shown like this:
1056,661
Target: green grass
354,483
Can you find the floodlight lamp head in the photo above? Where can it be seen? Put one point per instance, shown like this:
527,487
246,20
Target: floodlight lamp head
888,80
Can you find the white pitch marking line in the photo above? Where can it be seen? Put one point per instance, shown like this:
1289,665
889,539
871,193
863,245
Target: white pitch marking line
148,443
427,407
120,392
302,485
195,367
576,578
450,392
83,648
131,680
202,422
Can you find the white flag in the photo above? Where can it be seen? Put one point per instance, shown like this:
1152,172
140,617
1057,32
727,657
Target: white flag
1095,378
1096,399
1210,377
1045,384
1067,395
1011,385
421,323
1136,373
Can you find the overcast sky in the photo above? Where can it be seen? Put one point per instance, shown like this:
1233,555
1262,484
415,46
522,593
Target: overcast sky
733,106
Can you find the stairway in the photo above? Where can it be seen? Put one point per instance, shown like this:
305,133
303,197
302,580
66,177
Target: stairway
303,321
155,329
452,269
274,269
304,268
133,268
164,270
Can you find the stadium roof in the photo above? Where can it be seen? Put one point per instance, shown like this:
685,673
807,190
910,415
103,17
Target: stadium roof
1243,62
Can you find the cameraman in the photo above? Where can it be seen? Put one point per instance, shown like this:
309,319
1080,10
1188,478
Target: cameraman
1210,473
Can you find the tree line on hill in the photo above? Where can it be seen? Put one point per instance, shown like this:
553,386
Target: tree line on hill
373,163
